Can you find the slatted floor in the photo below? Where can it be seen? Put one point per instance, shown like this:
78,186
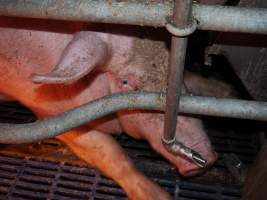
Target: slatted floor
26,178
47,170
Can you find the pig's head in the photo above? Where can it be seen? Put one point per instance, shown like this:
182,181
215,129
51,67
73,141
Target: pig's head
131,63
139,63
87,51
146,69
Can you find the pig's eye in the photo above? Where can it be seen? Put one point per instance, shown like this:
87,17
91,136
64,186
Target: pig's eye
124,82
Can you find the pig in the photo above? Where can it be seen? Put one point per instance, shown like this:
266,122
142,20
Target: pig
52,66
5,98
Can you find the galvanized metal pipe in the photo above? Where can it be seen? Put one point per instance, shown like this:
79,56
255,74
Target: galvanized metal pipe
23,133
181,19
102,11
146,12
231,19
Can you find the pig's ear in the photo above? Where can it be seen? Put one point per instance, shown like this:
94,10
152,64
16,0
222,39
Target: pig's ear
86,51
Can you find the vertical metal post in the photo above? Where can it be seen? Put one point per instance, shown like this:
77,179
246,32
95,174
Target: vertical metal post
181,19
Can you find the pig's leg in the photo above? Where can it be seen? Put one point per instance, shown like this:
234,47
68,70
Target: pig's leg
103,152
4,97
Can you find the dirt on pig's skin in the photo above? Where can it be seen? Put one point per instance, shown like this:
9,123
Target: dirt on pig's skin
155,57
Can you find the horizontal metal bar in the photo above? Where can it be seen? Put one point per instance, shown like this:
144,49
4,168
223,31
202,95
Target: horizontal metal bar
231,19
23,133
103,11
146,12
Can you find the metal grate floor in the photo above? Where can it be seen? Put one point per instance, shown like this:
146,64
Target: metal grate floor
48,170
27,178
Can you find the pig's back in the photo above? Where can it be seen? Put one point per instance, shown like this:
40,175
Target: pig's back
35,45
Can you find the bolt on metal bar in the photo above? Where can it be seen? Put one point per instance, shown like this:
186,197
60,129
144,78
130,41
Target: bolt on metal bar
146,12
181,18
25,133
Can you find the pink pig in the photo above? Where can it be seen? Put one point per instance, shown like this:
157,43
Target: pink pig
52,67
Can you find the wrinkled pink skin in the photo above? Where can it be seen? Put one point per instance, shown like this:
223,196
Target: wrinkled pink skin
41,46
